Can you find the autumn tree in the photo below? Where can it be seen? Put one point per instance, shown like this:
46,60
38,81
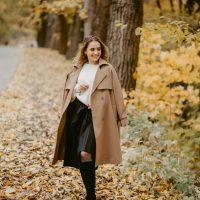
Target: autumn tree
56,20
190,6
14,20
74,36
89,7
53,31
59,35
123,43
100,22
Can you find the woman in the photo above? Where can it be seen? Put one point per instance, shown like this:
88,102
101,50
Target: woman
91,114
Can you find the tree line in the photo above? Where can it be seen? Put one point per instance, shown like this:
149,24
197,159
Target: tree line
114,21
62,24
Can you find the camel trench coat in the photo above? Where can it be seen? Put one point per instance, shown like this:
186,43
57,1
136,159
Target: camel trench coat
108,114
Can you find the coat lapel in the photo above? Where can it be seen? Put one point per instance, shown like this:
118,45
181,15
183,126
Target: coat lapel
75,77
100,75
72,85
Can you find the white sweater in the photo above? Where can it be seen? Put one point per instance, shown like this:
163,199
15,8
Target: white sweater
87,76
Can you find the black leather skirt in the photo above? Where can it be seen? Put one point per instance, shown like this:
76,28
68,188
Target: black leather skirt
79,133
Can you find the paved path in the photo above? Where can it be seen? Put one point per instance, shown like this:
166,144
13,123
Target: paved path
8,63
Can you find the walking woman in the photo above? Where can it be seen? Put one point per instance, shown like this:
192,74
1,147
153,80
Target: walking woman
92,112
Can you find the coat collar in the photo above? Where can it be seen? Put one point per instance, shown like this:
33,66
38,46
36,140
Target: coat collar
101,62
100,75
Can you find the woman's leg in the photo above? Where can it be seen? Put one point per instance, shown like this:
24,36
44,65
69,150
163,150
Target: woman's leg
85,156
87,169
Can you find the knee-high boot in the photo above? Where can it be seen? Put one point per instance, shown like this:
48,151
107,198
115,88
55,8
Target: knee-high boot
87,170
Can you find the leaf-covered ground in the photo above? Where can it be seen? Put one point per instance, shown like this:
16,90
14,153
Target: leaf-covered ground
28,123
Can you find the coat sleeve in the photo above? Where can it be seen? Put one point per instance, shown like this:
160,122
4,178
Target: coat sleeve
63,97
118,97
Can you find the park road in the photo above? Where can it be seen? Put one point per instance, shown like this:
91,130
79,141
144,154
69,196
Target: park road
8,63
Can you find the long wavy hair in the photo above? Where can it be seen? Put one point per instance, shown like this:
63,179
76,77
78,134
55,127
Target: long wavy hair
81,57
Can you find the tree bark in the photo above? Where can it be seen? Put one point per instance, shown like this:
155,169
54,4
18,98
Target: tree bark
51,19
122,41
89,6
180,6
42,30
59,34
100,23
172,5
74,37
64,29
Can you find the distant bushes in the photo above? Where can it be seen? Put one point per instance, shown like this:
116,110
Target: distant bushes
168,94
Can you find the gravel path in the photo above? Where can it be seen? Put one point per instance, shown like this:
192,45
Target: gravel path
8,63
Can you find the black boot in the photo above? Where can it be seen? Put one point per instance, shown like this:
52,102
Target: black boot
87,170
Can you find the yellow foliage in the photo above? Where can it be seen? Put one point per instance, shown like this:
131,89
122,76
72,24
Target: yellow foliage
3,6
166,79
68,8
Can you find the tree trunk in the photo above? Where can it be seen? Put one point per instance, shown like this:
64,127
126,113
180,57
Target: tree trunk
89,6
42,30
172,5
180,6
64,29
74,37
51,19
158,4
100,24
125,17
59,35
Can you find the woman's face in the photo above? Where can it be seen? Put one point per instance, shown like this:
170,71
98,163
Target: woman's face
93,52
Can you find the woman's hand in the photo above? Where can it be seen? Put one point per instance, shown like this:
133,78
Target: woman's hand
89,106
83,87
